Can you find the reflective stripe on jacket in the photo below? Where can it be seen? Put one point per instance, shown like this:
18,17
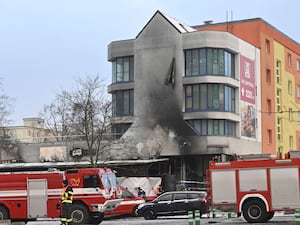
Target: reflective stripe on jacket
67,195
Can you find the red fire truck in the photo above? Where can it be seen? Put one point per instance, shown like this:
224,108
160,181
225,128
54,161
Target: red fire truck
255,188
31,195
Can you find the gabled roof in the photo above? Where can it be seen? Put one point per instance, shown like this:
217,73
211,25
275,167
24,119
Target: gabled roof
181,27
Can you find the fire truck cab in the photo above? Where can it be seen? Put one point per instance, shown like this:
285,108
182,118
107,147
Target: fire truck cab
255,188
31,195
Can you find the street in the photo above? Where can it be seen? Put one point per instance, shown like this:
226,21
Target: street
279,219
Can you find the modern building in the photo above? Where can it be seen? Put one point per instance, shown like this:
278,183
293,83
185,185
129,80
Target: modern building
279,78
187,95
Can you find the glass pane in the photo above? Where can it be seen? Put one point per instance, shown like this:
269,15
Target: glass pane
209,61
188,63
196,97
119,103
131,101
221,97
203,97
197,126
195,60
188,90
180,196
119,70
209,127
203,127
114,76
216,127
221,62
126,69
227,64
114,104
126,103
188,98
131,69
215,92
202,61
221,127
210,97
215,61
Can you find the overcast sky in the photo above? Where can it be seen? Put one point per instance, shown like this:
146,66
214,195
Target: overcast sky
46,44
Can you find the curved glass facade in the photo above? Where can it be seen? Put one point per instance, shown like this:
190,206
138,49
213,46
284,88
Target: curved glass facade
209,97
213,127
209,61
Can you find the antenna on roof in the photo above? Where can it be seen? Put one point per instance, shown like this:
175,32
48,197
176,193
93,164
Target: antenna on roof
231,19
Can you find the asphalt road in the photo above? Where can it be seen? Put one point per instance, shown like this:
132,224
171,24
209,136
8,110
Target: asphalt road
183,220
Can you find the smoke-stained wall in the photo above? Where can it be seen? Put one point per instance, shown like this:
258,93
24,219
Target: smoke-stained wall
159,127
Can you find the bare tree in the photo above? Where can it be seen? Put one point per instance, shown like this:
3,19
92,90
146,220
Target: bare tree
57,116
83,113
7,143
91,112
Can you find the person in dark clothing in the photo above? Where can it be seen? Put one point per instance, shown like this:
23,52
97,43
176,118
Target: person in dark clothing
66,201
141,193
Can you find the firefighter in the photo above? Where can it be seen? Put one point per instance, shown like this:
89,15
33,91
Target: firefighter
66,201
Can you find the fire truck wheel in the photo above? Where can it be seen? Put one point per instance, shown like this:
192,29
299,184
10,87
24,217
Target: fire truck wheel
270,215
4,215
79,214
254,211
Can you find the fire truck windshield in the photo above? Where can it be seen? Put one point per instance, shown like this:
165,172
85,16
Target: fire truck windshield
109,180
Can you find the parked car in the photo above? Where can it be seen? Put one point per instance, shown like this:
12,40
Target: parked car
128,205
174,203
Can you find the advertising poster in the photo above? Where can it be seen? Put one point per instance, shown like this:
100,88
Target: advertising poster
247,93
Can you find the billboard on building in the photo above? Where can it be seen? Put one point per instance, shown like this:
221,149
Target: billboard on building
247,95
53,154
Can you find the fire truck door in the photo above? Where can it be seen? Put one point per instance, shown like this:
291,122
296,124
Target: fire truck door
37,198
285,187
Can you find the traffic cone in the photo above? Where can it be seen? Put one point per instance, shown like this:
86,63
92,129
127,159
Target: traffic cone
197,217
191,218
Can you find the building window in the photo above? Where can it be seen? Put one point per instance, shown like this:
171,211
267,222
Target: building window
290,114
278,100
122,69
268,46
269,133
291,142
209,61
278,71
289,59
122,103
298,117
268,76
298,65
298,91
279,125
118,130
209,97
269,105
290,87
213,127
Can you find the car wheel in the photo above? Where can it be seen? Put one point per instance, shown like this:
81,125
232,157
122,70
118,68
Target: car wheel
149,214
